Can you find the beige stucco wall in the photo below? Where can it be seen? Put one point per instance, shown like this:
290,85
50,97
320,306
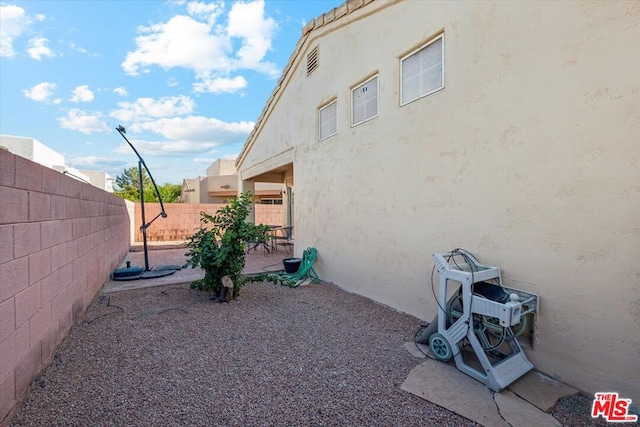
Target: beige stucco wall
529,158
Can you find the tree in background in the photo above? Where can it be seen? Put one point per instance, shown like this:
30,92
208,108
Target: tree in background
128,187
170,192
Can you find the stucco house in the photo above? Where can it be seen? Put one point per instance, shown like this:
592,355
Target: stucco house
221,182
510,129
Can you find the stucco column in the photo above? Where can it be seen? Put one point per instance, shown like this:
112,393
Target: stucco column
243,186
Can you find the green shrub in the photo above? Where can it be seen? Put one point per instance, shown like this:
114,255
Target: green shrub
218,247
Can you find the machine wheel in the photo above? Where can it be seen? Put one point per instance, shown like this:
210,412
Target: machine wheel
440,347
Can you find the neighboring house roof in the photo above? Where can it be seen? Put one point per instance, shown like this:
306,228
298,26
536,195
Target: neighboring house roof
333,15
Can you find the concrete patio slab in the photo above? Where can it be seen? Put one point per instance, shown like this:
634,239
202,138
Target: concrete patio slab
257,261
449,388
519,412
541,390
519,405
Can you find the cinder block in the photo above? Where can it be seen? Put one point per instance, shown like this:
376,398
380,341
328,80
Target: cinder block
50,286
15,205
78,268
72,250
70,187
7,392
39,265
27,368
66,230
58,256
73,208
83,245
26,239
7,318
39,324
13,349
66,276
39,206
7,171
60,305
50,342
6,243
28,302
51,181
28,174
66,322
58,207
14,277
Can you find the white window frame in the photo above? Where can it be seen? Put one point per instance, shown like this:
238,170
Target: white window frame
413,52
320,110
377,99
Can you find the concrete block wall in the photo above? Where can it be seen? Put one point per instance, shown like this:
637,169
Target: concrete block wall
59,241
184,218
271,214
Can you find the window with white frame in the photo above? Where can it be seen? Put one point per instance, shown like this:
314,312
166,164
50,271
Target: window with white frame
422,71
328,120
364,101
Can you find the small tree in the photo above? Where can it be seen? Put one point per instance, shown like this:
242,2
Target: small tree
218,247
128,187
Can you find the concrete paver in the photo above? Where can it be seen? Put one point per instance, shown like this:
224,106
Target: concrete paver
541,390
166,254
518,405
445,386
519,412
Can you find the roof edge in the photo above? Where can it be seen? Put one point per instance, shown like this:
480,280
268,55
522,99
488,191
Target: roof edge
333,15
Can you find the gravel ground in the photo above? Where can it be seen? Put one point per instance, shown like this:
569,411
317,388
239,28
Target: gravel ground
313,356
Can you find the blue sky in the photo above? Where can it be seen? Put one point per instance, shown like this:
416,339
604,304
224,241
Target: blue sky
187,79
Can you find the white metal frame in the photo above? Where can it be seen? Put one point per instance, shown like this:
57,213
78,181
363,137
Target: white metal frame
514,364
377,99
413,52
324,107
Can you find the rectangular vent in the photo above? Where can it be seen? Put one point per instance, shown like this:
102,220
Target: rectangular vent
312,61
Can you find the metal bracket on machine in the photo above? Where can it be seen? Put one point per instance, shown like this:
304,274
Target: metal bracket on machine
482,313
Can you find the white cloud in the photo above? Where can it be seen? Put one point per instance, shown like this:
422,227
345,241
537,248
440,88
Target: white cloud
207,11
247,21
172,82
181,42
81,94
77,48
84,122
197,128
13,23
220,85
40,92
149,108
96,162
122,91
37,48
200,43
166,148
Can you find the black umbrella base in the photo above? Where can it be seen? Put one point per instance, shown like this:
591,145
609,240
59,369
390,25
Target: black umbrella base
136,273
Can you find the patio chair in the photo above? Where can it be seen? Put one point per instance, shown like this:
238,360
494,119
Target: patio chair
264,240
283,236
